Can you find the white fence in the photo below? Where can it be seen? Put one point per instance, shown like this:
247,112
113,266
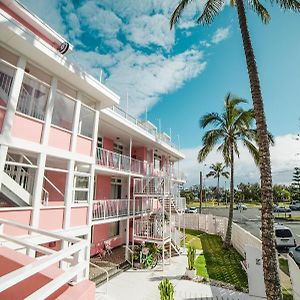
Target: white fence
295,278
217,225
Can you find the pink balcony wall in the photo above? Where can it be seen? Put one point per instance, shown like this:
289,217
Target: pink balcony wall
27,128
16,215
78,216
60,138
103,187
51,218
108,143
59,180
84,145
2,115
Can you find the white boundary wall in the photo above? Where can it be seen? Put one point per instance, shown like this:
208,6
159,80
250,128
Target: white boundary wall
295,278
218,225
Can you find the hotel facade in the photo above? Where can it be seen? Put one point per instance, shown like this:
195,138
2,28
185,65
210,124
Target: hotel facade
78,175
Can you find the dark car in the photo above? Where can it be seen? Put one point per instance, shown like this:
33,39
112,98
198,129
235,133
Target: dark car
295,205
281,209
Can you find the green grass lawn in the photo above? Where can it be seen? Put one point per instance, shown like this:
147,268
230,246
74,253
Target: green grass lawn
221,205
286,218
284,266
216,263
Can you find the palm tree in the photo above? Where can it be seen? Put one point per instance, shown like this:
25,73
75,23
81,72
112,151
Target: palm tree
217,170
233,125
211,9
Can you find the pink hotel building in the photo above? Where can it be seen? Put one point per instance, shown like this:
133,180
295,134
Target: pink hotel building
77,173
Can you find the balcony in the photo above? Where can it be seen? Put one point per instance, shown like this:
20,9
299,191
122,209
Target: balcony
120,162
118,208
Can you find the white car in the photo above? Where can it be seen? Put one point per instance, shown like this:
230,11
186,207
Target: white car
191,210
284,237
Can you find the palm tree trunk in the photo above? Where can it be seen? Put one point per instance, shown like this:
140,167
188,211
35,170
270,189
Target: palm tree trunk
271,276
227,240
218,190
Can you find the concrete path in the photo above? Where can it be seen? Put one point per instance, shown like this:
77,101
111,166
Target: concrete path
143,285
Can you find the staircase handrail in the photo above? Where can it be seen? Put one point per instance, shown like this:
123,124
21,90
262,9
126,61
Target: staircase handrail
102,269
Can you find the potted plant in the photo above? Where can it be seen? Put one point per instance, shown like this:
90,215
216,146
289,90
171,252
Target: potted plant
191,256
166,290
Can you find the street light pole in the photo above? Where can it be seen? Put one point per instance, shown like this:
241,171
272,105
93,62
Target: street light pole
200,194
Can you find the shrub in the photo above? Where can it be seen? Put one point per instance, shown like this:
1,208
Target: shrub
166,290
191,255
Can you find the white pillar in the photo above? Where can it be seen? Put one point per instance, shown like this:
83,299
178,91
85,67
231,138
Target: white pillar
49,111
11,110
128,204
75,124
69,194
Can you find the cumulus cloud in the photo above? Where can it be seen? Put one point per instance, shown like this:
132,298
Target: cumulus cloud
220,35
283,158
150,30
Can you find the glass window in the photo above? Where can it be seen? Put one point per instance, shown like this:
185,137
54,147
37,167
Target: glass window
33,98
81,188
114,229
6,77
86,121
63,111
283,233
118,148
100,142
157,162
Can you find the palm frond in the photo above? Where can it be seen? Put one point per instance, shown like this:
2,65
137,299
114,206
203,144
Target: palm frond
225,174
178,11
288,4
257,7
211,119
210,11
252,150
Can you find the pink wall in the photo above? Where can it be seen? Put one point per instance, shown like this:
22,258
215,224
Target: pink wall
103,188
84,145
78,216
59,138
27,128
108,143
139,153
2,115
59,180
101,233
51,218
19,216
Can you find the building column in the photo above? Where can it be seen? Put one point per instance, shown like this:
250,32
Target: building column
128,204
49,111
11,110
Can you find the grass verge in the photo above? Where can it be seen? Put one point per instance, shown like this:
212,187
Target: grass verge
284,266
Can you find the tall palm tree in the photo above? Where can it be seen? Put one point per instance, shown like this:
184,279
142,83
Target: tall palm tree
232,125
218,170
211,9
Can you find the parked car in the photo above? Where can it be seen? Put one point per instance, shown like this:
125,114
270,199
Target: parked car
295,205
281,209
284,237
191,210
241,206
295,254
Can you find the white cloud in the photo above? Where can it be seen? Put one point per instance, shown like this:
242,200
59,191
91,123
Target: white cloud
205,43
150,30
220,35
283,159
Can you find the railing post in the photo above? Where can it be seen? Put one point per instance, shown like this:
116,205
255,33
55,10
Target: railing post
104,210
118,203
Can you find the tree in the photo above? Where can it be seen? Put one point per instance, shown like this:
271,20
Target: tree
218,170
211,9
296,183
233,125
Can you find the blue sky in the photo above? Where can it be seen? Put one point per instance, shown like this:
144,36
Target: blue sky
179,75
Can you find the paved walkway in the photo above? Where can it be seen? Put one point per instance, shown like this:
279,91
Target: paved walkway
143,285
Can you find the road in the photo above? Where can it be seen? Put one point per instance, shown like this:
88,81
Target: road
251,221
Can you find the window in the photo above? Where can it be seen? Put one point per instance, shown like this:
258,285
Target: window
81,188
118,148
283,233
114,229
63,111
100,142
116,188
86,121
33,98
157,162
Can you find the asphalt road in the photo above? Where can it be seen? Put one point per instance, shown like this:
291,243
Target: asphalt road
250,220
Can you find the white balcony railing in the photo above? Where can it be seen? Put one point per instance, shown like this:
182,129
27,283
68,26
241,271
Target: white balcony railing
6,77
73,254
179,203
117,208
151,230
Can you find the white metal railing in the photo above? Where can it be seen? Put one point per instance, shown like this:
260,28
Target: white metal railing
151,230
151,185
161,137
106,273
179,203
73,255
117,208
